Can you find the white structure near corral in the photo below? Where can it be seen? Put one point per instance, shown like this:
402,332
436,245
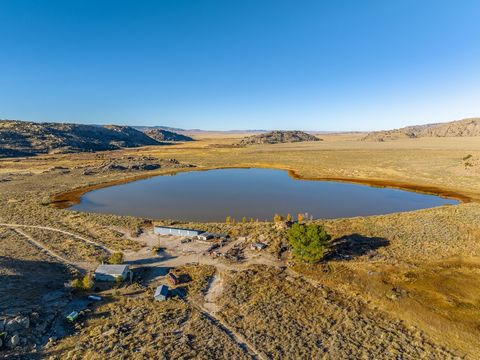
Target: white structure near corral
106,272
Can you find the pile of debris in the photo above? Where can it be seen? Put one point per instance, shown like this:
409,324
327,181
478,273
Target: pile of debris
235,254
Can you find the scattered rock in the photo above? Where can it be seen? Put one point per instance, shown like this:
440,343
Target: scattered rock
14,341
23,321
16,324
132,163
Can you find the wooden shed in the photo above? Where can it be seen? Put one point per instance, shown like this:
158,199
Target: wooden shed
161,293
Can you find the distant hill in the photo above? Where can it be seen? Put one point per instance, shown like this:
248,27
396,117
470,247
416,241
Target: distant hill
194,131
459,128
276,137
167,128
22,138
165,135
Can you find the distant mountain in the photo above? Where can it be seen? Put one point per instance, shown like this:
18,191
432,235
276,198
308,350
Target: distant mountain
21,138
276,137
458,128
194,131
167,128
165,135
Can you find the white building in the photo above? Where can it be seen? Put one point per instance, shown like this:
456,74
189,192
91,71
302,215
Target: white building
106,272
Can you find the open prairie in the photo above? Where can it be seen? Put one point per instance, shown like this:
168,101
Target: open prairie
403,285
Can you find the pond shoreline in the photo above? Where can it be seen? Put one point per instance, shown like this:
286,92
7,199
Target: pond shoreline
66,199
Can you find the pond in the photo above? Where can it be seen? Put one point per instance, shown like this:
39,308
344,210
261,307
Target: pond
254,193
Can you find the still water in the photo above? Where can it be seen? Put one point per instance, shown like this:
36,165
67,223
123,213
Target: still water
257,193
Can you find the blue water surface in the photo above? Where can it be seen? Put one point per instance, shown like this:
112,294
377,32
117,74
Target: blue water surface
257,193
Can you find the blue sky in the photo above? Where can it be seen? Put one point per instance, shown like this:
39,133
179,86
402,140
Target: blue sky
246,64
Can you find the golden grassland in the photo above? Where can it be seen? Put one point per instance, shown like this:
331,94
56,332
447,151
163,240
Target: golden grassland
419,269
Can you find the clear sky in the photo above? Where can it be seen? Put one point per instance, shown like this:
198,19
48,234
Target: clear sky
241,64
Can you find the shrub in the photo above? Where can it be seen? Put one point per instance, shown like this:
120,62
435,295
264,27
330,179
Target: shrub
308,242
82,284
116,258
300,218
87,282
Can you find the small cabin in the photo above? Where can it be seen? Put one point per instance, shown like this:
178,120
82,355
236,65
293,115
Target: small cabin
112,273
161,293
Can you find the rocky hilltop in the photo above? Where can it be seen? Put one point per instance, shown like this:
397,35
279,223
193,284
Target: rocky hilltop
21,138
165,135
277,137
459,128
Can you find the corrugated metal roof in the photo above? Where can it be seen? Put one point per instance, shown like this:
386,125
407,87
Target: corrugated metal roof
111,269
180,229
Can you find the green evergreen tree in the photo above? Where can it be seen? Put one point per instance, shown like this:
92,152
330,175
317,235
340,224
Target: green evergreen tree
309,242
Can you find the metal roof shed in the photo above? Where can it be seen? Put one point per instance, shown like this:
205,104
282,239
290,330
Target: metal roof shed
161,293
106,272
164,230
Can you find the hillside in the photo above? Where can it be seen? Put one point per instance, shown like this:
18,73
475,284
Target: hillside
277,137
165,135
459,128
21,138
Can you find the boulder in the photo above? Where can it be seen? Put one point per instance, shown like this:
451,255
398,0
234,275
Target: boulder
16,324
14,341
23,321
12,325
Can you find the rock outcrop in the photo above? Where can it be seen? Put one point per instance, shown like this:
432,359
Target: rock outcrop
459,128
165,135
277,137
21,138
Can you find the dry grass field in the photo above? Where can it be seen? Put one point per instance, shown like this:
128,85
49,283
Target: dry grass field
396,286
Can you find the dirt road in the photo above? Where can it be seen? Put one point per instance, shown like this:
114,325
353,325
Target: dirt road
88,241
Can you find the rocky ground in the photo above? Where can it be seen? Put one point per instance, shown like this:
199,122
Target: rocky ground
165,135
278,137
22,138
460,128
